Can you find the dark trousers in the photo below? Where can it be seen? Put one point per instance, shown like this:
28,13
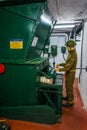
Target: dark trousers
70,77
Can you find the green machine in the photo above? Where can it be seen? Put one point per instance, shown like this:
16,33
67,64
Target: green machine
25,27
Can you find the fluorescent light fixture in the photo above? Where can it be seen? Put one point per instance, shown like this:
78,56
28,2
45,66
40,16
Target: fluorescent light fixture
45,19
64,26
68,22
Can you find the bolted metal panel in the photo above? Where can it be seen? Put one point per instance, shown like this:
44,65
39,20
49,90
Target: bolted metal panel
17,30
23,30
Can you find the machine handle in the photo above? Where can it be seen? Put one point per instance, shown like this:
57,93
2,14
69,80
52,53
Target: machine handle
47,76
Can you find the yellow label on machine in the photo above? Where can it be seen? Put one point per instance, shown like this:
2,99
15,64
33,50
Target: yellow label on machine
16,44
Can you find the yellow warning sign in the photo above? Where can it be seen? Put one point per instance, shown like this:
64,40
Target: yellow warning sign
16,44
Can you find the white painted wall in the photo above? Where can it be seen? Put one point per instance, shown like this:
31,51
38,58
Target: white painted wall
83,79
60,40
78,50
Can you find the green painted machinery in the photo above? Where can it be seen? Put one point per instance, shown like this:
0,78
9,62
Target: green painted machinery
25,28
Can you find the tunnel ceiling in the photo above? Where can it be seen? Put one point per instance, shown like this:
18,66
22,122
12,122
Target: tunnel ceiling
68,11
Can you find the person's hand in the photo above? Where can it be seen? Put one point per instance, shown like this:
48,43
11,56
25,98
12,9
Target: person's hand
56,68
57,65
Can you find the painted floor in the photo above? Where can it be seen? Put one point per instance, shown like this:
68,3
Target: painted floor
74,118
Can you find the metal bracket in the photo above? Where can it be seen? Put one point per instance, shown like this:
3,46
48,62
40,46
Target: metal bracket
83,68
86,68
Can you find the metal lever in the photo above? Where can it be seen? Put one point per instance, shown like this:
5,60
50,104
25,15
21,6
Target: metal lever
47,76
83,68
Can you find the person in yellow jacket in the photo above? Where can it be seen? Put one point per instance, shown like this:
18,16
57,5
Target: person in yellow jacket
70,68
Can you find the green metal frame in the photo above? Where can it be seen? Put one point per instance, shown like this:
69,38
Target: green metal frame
52,96
23,36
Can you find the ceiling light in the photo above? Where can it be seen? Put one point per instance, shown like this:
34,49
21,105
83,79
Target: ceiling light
64,26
